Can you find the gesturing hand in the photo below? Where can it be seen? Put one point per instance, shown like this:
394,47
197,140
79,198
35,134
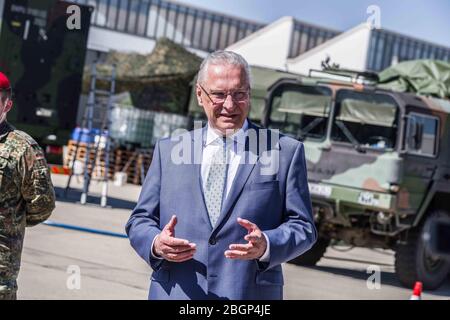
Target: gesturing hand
170,248
255,247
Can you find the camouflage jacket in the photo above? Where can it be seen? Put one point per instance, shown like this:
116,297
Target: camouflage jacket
26,198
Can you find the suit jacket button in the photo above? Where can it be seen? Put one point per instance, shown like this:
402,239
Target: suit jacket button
212,241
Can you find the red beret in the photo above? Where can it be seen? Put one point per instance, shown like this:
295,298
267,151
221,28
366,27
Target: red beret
4,82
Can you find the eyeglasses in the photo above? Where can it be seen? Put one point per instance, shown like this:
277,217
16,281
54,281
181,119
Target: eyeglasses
219,97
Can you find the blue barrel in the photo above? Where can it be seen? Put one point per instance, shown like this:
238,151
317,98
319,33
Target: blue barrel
85,136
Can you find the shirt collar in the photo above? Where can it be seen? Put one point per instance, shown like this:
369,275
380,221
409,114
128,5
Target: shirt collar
239,136
5,128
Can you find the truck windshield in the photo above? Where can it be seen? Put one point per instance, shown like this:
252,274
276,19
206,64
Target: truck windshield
300,111
366,120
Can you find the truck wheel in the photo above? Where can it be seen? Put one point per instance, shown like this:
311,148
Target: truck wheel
414,261
313,255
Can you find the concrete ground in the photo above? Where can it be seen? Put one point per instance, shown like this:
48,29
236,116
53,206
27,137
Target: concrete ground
110,269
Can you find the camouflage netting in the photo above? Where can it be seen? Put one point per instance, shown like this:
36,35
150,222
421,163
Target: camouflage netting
158,81
427,77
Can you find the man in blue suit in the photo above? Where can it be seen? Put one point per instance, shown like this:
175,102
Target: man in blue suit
223,206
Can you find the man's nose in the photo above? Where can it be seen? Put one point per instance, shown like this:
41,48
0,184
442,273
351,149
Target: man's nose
229,103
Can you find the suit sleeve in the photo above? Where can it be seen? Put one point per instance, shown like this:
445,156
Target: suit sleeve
143,225
297,233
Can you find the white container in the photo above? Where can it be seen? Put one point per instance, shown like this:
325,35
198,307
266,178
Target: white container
120,179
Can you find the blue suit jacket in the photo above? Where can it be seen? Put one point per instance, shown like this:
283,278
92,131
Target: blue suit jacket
278,203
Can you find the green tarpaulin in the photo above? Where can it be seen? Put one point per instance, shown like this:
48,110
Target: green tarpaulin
427,77
303,103
359,111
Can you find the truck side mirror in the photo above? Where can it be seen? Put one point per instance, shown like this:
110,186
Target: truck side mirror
414,134
419,135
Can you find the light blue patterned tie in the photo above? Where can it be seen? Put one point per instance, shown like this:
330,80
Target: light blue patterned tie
215,183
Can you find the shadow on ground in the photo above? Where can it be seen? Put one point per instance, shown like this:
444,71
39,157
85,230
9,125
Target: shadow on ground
74,195
387,278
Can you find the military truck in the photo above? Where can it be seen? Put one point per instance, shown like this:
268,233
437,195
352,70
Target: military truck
378,164
44,60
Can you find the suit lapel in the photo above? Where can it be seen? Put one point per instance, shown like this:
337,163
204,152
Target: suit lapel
198,138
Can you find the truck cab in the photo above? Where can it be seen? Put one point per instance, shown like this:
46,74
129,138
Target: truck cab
378,169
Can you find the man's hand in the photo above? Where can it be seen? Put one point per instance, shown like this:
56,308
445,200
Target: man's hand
170,248
255,247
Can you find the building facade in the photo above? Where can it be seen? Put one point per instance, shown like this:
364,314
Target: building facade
387,47
197,29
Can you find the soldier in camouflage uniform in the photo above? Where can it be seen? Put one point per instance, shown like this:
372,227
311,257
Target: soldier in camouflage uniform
26,192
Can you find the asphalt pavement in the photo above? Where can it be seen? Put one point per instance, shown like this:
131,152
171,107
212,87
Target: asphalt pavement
59,263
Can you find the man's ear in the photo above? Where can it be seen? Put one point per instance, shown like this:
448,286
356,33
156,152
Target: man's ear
198,93
8,106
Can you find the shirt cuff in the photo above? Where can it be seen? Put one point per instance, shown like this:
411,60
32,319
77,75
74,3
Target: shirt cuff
266,256
153,254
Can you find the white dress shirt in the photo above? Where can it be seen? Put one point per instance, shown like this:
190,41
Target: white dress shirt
235,148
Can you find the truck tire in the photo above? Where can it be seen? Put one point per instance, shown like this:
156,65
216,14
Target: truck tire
414,262
313,255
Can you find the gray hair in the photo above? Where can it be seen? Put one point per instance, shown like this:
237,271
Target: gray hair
223,58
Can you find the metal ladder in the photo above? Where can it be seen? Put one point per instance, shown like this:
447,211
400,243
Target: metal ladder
94,106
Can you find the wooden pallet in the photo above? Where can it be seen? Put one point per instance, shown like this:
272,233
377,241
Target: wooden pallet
131,163
128,161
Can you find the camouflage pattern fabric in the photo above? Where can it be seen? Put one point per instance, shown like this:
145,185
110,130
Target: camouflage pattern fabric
26,198
158,81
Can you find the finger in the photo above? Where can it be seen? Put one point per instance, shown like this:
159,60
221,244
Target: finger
180,256
237,254
241,247
178,249
253,238
250,226
172,223
173,242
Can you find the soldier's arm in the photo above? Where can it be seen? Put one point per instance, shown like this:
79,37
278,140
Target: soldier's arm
37,188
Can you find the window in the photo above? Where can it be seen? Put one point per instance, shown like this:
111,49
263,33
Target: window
170,23
295,43
249,30
303,41
224,34
152,21
241,30
301,111
101,13
189,32
143,14
112,14
161,23
365,120
132,16
180,26
205,34
379,52
199,22
421,133
214,35
122,16
233,33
